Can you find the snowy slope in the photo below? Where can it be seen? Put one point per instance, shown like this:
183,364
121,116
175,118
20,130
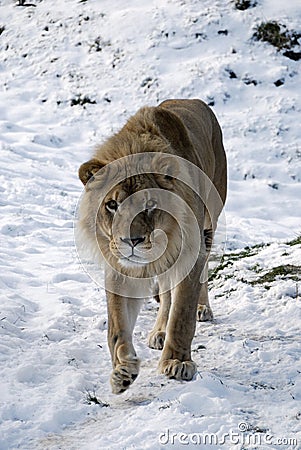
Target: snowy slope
71,73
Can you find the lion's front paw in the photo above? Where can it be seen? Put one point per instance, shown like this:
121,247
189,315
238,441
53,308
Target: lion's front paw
180,370
123,376
204,313
156,339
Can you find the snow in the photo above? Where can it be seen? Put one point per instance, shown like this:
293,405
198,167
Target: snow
54,355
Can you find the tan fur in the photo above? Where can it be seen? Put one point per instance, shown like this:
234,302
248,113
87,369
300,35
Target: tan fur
187,129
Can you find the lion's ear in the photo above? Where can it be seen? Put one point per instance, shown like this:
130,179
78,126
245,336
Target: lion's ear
172,128
88,169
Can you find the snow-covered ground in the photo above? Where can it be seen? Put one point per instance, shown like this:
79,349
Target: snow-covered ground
113,57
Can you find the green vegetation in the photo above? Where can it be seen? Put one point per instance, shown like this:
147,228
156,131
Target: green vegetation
229,258
296,241
285,271
277,35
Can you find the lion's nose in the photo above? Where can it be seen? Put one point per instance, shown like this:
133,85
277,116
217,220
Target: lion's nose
132,242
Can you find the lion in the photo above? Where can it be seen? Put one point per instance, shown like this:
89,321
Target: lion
153,195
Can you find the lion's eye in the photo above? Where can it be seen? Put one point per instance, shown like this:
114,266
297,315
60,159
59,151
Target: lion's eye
112,206
151,204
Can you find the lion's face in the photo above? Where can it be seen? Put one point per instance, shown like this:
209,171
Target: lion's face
140,230
140,216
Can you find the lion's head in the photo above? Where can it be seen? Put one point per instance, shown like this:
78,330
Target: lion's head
137,220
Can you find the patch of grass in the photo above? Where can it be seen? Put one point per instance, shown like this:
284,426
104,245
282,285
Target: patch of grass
82,101
285,271
296,241
288,271
270,32
246,252
258,385
281,272
242,5
229,258
277,35
214,274
99,44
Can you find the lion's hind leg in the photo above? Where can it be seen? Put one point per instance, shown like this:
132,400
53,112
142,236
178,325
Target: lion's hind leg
204,312
156,337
